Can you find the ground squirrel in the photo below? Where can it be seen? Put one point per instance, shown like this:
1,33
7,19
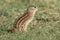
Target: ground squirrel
22,22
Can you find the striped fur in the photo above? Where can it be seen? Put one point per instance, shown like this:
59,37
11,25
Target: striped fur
22,21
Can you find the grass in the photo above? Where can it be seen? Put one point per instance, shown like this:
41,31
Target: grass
46,25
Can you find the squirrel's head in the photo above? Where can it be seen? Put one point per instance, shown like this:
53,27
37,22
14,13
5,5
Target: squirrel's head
32,9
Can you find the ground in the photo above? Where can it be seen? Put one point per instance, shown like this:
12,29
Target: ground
46,24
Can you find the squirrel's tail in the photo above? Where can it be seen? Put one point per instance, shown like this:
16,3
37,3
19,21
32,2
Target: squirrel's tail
12,29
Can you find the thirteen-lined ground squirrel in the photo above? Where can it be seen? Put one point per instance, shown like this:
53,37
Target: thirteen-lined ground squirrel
22,22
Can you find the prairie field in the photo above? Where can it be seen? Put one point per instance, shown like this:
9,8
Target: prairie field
45,25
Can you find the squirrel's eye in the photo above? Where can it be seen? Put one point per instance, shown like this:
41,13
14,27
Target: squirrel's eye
35,7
